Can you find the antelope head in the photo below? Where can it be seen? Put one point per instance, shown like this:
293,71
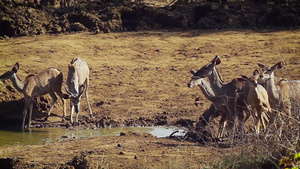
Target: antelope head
205,71
195,79
254,79
269,72
76,97
9,74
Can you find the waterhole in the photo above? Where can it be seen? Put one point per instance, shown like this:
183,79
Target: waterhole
12,136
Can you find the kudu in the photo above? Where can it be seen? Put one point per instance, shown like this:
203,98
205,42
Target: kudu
217,102
258,102
47,81
282,95
77,84
234,93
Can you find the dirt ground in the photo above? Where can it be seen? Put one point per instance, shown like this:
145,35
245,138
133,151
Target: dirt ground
129,151
136,79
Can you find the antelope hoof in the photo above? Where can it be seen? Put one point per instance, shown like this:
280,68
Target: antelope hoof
27,126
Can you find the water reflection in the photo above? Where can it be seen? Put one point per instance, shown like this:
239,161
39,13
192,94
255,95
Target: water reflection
15,136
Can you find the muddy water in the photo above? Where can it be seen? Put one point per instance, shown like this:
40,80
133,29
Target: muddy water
14,136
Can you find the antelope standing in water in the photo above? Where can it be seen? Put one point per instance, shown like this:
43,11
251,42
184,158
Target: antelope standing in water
77,84
47,81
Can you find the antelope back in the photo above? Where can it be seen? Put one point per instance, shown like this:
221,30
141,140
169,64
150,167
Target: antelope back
42,83
284,91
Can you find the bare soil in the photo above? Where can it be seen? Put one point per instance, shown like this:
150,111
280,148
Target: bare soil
136,79
23,18
127,151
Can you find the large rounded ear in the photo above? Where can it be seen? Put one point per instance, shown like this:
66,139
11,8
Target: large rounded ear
216,60
262,66
279,64
192,71
16,67
256,72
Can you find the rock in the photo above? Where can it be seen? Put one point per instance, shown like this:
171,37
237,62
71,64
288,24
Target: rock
77,26
122,134
56,29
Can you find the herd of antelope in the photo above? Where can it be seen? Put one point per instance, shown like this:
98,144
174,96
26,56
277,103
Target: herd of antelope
260,96
264,97
50,81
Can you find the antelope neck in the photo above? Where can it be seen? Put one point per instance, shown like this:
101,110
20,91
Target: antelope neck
17,82
271,88
206,89
216,82
73,83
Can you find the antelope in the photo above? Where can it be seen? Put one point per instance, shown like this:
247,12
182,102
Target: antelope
47,81
77,84
258,101
234,93
282,94
217,102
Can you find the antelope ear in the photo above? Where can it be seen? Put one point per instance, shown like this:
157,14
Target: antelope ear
244,77
256,72
192,71
279,64
216,60
261,66
16,67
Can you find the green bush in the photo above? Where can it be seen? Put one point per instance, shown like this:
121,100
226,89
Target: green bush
291,161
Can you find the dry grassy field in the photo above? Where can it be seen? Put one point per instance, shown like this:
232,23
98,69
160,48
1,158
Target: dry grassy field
140,78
